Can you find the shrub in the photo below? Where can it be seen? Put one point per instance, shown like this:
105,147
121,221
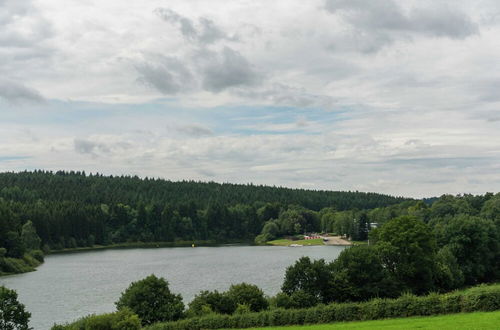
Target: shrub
298,299
215,301
121,320
248,294
152,300
38,255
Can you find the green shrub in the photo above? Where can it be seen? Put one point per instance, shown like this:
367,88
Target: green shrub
15,266
481,298
248,294
38,255
298,299
215,301
121,320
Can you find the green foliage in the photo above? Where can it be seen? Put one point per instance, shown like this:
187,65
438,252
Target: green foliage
248,294
358,274
298,299
12,313
449,276
474,242
215,301
408,247
14,245
121,320
151,300
482,298
242,309
311,277
37,255
29,237
16,266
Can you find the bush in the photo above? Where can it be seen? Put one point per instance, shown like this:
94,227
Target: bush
311,277
152,300
121,320
248,294
207,301
298,299
14,266
37,255
481,298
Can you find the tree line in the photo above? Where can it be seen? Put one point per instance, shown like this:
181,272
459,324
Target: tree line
73,209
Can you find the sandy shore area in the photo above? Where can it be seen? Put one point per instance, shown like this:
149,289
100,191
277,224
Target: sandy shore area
335,240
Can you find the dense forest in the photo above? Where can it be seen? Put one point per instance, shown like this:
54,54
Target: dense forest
51,211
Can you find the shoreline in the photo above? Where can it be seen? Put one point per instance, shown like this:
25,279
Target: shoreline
149,245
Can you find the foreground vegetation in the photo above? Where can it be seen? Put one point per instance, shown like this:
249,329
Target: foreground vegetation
484,320
481,298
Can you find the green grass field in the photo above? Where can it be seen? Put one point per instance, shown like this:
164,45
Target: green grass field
305,242
489,320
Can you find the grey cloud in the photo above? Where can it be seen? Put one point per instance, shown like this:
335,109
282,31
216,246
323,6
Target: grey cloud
205,32
378,23
226,69
195,130
167,74
210,70
14,92
201,68
83,146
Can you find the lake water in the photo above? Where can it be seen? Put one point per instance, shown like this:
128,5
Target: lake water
69,286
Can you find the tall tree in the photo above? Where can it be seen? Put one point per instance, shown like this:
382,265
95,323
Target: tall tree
30,238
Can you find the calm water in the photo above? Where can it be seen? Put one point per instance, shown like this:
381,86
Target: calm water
69,286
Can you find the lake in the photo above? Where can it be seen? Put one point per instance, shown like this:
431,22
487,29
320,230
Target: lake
69,286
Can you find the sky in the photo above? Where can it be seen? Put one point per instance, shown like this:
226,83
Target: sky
396,97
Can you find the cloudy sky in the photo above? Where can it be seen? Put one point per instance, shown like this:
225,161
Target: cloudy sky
398,97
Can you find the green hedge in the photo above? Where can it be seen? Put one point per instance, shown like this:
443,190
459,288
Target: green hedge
121,320
480,298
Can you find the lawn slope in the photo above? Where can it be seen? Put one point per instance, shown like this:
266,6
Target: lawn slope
480,320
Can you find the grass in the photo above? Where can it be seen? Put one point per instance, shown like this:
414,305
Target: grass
305,242
479,320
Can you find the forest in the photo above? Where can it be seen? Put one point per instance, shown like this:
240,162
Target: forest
51,211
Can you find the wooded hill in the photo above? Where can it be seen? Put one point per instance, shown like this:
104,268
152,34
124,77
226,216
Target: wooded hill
70,209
